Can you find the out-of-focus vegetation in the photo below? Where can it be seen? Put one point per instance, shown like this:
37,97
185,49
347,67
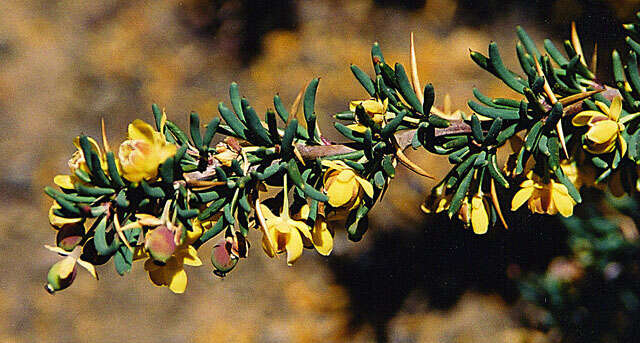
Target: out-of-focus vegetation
65,64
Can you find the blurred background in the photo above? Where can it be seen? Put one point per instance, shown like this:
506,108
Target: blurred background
66,64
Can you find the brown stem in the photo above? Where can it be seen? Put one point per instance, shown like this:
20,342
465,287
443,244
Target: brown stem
311,152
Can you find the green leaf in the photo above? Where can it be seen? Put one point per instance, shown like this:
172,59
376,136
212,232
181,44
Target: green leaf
212,209
529,44
177,132
555,54
364,80
113,170
392,126
388,167
194,127
154,192
236,103
505,114
308,104
100,239
166,170
272,125
503,73
93,191
405,88
256,130
476,129
232,120
208,234
429,98
212,127
123,259
157,115
495,171
460,193
280,109
347,132
314,193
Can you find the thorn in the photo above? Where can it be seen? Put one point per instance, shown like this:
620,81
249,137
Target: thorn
496,204
295,108
572,99
410,164
415,80
263,226
116,224
298,155
575,40
594,59
104,137
553,99
447,104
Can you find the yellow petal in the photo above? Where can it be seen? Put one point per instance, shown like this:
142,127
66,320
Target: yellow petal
479,216
178,281
583,117
602,131
603,107
340,193
354,104
190,257
321,238
293,247
266,212
563,202
623,145
64,181
366,186
266,245
89,267
302,227
337,165
616,108
66,266
139,130
357,128
521,197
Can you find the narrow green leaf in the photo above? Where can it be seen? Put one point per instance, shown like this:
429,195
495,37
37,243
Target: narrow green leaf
405,88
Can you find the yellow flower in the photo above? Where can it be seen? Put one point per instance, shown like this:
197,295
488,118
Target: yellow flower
549,198
143,152
321,236
78,160
373,107
344,187
172,273
283,234
605,130
479,215
225,154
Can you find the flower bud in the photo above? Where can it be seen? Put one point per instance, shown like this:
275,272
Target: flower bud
222,260
69,236
160,244
61,275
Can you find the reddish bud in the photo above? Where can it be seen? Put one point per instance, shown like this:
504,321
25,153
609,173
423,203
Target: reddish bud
160,243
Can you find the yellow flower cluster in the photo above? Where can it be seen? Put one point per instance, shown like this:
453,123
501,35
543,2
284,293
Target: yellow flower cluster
605,130
549,197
